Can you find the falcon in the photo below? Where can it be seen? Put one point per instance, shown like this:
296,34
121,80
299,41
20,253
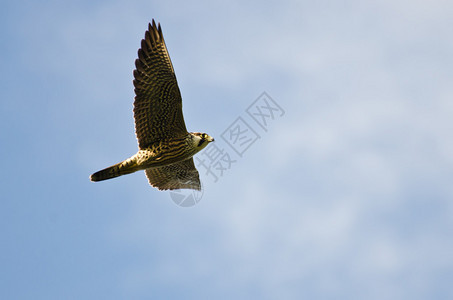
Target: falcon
165,146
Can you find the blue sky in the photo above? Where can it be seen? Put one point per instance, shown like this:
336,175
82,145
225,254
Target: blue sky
348,195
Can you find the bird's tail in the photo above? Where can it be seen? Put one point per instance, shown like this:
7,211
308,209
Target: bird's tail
125,167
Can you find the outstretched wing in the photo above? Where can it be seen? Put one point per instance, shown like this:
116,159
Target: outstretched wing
158,104
181,175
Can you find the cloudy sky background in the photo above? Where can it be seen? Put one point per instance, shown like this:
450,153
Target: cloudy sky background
348,195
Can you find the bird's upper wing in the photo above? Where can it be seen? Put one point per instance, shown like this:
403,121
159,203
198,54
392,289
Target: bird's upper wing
180,175
158,103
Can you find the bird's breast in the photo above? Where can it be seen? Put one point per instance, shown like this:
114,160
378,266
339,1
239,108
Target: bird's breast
165,153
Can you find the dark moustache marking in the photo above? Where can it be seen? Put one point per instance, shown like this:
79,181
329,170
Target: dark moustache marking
201,142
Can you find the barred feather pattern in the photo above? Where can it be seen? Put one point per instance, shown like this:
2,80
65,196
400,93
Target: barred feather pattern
181,175
125,167
158,104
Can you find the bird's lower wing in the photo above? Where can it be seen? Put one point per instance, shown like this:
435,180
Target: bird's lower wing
181,175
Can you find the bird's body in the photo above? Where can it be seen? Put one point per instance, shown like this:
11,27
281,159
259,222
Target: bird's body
165,146
161,154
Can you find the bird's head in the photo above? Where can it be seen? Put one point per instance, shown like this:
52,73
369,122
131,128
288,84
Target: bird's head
201,140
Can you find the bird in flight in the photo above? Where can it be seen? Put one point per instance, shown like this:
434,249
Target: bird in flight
165,146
